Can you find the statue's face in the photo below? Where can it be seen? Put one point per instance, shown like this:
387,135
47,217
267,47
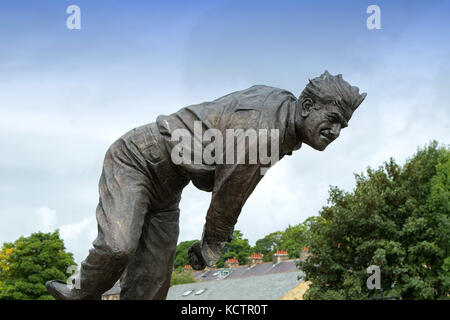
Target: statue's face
322,125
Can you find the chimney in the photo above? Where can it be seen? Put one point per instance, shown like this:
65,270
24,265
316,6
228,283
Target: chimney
279,256
304,254
231,263
255,258
187,268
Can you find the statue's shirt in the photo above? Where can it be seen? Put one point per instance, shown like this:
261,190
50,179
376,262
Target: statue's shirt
258,107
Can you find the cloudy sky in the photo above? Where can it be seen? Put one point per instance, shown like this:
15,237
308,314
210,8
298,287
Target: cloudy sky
66,95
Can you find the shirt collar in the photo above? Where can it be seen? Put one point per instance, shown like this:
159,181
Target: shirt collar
292,140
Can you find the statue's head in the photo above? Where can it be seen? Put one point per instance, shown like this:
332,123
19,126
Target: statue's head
326,106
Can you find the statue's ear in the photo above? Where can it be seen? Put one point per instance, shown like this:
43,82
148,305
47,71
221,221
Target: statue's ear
307,104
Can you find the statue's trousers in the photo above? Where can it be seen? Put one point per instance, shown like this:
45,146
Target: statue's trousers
137,218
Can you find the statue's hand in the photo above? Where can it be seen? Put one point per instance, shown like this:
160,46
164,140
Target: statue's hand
230,237
207,251
202,254
195,257
211,252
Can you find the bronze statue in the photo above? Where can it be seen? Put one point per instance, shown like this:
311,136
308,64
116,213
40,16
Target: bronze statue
145,171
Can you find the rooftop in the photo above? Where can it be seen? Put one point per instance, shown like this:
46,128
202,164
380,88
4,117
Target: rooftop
265,287
263,281
246,271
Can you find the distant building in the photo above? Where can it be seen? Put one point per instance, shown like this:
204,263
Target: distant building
187,268
113,293
255,258
258,280
280,256
231,262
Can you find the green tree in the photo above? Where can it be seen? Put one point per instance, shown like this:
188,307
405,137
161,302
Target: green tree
5,258
181,254
439,202
27,263
238,247
268,245
396,218
293,239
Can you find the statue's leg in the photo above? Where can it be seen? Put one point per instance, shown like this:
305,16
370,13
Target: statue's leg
124,203
149,272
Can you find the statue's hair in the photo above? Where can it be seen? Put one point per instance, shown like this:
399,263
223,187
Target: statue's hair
333,89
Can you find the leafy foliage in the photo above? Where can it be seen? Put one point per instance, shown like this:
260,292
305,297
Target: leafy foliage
181,277
292,239
396,218
268,245
238,247
29,262
181,254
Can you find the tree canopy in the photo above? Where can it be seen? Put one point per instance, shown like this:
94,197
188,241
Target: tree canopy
238,248
397,218
292,239
27,263
181,254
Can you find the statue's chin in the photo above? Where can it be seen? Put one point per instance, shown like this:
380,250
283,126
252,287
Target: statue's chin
321,148
322,143
318,146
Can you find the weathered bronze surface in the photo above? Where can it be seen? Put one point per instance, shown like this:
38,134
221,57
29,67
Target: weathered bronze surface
140,186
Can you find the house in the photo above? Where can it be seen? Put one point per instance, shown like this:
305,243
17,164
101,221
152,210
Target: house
263,287
258,280
113,293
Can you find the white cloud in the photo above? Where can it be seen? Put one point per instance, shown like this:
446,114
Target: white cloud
72,232
78,236
47,219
